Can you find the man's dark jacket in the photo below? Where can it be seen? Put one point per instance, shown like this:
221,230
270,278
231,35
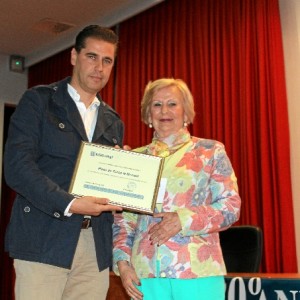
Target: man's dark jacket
44,137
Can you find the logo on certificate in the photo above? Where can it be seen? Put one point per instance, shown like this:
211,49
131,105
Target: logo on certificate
131,185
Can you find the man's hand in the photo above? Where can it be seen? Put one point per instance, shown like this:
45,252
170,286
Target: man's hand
92,206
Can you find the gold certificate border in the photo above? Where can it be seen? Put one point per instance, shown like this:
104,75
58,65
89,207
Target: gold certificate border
153,176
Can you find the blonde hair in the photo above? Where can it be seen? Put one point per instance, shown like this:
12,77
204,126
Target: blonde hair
153,86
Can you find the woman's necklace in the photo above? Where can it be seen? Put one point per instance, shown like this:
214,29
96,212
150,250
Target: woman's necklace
163,150
168,146
177,149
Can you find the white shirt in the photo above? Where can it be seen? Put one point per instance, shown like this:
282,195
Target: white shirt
89,118
88,114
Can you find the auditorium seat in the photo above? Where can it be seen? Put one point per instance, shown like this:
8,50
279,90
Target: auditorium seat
242,248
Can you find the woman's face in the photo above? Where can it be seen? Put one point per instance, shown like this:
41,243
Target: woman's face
166,111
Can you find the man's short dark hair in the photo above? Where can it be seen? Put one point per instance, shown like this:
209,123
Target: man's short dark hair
97,32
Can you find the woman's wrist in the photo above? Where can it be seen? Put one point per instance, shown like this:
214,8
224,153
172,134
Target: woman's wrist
123,263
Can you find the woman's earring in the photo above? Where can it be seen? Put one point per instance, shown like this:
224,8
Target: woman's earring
150,125
185,124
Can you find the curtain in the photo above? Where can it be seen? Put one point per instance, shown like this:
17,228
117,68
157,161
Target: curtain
230,54
51,69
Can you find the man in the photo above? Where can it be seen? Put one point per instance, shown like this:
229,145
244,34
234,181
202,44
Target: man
61,245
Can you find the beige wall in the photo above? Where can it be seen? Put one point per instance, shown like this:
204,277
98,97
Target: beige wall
290,23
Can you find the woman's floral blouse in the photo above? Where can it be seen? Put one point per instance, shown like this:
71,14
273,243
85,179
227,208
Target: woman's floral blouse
202,189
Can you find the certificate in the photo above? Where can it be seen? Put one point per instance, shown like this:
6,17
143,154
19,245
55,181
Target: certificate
128,179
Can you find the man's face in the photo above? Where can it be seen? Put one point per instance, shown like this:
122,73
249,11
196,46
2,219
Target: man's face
92,65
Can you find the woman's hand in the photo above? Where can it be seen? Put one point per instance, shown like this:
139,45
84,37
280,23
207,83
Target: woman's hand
129,280
168,227
125,147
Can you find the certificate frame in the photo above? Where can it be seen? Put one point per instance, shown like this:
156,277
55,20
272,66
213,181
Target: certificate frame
127,178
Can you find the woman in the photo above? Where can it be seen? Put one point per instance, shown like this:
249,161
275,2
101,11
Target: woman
176,253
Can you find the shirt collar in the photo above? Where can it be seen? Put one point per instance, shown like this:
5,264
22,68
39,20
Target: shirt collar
76,97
